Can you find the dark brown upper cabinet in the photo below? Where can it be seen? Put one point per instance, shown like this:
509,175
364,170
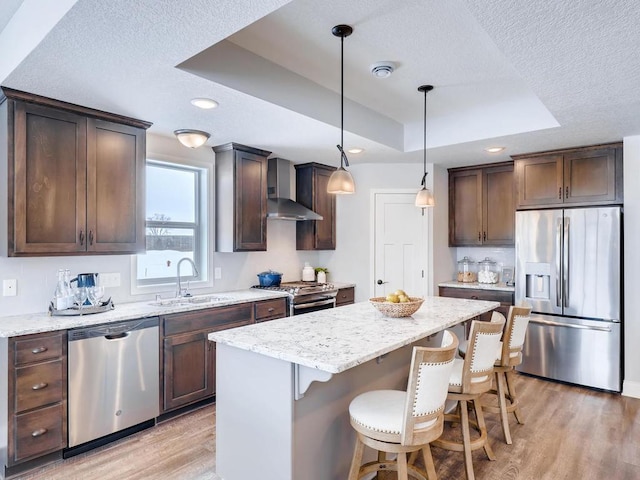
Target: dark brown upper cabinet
578,176
311,191
241,198
75,178
482,205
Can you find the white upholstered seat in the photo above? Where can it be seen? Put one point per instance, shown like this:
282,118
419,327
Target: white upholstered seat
401,422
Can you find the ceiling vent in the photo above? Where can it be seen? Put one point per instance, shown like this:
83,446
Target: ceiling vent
382,69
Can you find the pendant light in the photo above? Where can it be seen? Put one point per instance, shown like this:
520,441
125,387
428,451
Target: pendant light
424,198
341,181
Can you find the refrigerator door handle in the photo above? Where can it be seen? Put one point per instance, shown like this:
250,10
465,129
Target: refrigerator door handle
558,260
570,325
565,257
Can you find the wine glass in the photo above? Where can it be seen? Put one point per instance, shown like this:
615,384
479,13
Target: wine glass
80,294
95,295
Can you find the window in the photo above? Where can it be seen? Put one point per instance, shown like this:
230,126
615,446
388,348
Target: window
176,227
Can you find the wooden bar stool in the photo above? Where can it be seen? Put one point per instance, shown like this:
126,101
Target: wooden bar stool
470,378
402,422
509,357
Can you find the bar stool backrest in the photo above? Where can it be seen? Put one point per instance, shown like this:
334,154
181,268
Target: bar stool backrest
482,348
427,391
515,332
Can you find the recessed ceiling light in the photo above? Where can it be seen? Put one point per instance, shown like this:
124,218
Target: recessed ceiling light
355,150
494,149
205,103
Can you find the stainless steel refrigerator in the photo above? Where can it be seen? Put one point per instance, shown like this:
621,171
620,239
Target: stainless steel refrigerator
569,269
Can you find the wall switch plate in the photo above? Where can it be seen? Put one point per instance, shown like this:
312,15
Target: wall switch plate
109,279
217,273
9,288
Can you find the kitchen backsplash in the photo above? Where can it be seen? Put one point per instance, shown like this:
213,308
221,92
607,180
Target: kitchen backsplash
504,257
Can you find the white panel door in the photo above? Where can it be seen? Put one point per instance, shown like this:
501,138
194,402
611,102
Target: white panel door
401,245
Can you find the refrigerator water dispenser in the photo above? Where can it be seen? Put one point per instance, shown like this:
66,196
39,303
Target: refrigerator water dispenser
537,279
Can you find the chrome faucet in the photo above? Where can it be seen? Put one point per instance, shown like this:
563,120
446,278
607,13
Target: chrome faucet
195,274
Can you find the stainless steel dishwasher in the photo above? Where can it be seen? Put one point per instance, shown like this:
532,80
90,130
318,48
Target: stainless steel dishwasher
113,378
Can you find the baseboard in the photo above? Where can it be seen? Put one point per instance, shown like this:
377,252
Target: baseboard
631,389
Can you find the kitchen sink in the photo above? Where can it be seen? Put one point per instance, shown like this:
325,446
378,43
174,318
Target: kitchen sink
182,301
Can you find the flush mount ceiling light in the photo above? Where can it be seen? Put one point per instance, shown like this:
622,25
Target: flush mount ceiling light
355,150
382,69
341,181
191,138
494,149
424,198
204,103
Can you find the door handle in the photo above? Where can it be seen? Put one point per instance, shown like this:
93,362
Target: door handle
380,282
90,237
566,266
558,264
570,325
81,238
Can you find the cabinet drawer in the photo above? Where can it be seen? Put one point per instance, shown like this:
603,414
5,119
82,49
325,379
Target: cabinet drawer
38,385
206,319
270,309
345,296
36,348
39,432
477,294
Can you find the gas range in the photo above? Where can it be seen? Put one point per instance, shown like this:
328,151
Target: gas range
306,297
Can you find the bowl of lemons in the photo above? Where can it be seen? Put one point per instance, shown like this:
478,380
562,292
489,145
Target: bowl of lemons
397,304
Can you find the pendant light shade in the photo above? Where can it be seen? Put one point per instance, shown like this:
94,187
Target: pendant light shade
192,138
424,198
341,181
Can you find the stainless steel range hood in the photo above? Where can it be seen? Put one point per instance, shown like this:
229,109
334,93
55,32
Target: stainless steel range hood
279,203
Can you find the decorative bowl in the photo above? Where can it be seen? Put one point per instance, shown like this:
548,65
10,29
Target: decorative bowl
397,310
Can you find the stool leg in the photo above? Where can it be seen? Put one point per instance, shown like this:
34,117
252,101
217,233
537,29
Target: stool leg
502,401
466,439
510,376
428,463
483,428
403,473
354,471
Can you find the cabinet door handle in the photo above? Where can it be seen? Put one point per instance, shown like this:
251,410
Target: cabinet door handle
560,194
40,386
484,236
479,237
90,237
270,309
566,192
38,350
81,237
39,432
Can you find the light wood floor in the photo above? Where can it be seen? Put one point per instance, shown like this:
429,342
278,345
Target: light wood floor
570,433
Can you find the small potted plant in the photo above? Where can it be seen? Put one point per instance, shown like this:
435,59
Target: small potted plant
321,274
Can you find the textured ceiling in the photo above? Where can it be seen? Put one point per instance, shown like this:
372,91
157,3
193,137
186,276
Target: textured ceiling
529,75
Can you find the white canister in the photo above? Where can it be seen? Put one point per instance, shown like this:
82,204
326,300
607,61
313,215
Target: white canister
308,273
322,277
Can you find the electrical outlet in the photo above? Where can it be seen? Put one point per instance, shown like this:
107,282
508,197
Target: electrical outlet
109,279
217,273
9,287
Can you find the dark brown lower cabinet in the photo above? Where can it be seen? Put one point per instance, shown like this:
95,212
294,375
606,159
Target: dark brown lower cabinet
345,296
37,407
188,369
189,358
504,297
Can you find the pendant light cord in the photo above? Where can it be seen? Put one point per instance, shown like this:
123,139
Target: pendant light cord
343,156
424,145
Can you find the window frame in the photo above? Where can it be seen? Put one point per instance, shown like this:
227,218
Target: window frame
202,228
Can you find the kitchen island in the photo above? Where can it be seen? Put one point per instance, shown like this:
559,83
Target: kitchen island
284,387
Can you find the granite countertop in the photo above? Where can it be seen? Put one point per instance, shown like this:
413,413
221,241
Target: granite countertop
13,326
482,286
337,339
